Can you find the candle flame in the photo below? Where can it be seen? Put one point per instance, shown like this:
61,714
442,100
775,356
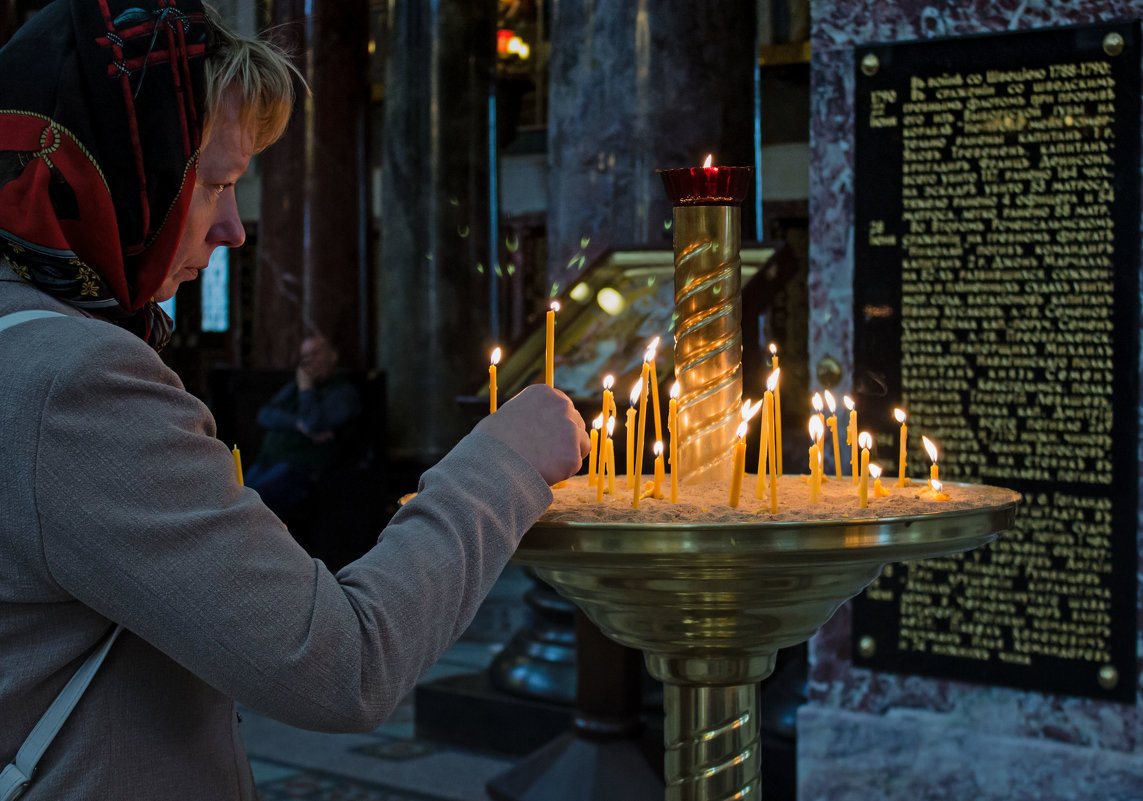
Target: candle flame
749,410
875,471
676,390
930,448
496,356
816,428
865,440
772,381
773,349
608,381
657,449
610,426
900,415
555,306
654,345
597,423
938,486
636,392
817,401
849,404
830,402
741,433
709,160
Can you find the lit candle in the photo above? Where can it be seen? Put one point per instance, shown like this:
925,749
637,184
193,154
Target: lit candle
636,391
777,409
673,430
748,411
902,479
765,448
492,380
937,491
610,455
817,429
641,433
851,436
816,401
237,463
739,464
652,351
878,490
608,398
865,442
550,345
931,449
658,450
596,428
831,421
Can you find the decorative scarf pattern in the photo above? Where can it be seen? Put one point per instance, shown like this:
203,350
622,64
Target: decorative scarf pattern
99,138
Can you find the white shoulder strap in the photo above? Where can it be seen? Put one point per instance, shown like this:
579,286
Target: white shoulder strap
17,775
15,318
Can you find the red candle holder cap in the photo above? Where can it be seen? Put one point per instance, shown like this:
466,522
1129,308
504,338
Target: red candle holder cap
706,186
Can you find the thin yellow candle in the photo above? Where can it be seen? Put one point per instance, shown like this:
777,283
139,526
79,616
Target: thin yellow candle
739,464
937,492
818,407
851,436
610,455
817,429
636,391
764,442
652,352
673,430
777,409
550,345
878,490
657,448
748,411
592,465
492,380
641,435
902,479
931,449
831,421
237,463
865,442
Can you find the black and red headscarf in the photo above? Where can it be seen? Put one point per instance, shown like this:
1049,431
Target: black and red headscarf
101,111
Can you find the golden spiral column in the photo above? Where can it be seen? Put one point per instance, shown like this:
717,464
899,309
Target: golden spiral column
708,315
708,338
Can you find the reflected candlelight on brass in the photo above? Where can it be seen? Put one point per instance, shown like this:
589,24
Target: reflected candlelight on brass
708,332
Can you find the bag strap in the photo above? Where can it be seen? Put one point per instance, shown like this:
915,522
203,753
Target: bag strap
17,775
15,318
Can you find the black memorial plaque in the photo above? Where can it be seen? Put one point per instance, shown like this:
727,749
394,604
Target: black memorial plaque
996,301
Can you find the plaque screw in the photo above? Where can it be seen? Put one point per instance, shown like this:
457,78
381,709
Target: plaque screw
870,64
1113,44
1108,677
867,647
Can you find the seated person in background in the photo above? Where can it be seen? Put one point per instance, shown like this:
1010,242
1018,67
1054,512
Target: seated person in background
305,423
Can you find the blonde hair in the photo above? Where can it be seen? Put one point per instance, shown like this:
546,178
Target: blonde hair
261,70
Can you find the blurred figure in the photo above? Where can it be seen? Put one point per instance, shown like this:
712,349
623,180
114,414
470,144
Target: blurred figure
306,423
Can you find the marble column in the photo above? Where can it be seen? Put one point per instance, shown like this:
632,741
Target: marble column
432,294
312,247
640,85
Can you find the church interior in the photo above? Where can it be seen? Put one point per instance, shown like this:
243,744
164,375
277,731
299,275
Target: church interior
457,165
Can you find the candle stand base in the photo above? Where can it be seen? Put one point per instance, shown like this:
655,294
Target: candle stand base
709,605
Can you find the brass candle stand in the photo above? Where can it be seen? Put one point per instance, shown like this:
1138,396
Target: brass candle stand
710,604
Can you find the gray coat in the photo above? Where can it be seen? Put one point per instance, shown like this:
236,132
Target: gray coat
118,504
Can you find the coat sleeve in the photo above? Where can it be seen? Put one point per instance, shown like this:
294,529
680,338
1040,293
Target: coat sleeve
143,520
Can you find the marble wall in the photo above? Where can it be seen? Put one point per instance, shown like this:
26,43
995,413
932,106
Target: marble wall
868,734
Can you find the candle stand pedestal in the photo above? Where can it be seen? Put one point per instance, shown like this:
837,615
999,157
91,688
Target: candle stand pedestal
711,604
